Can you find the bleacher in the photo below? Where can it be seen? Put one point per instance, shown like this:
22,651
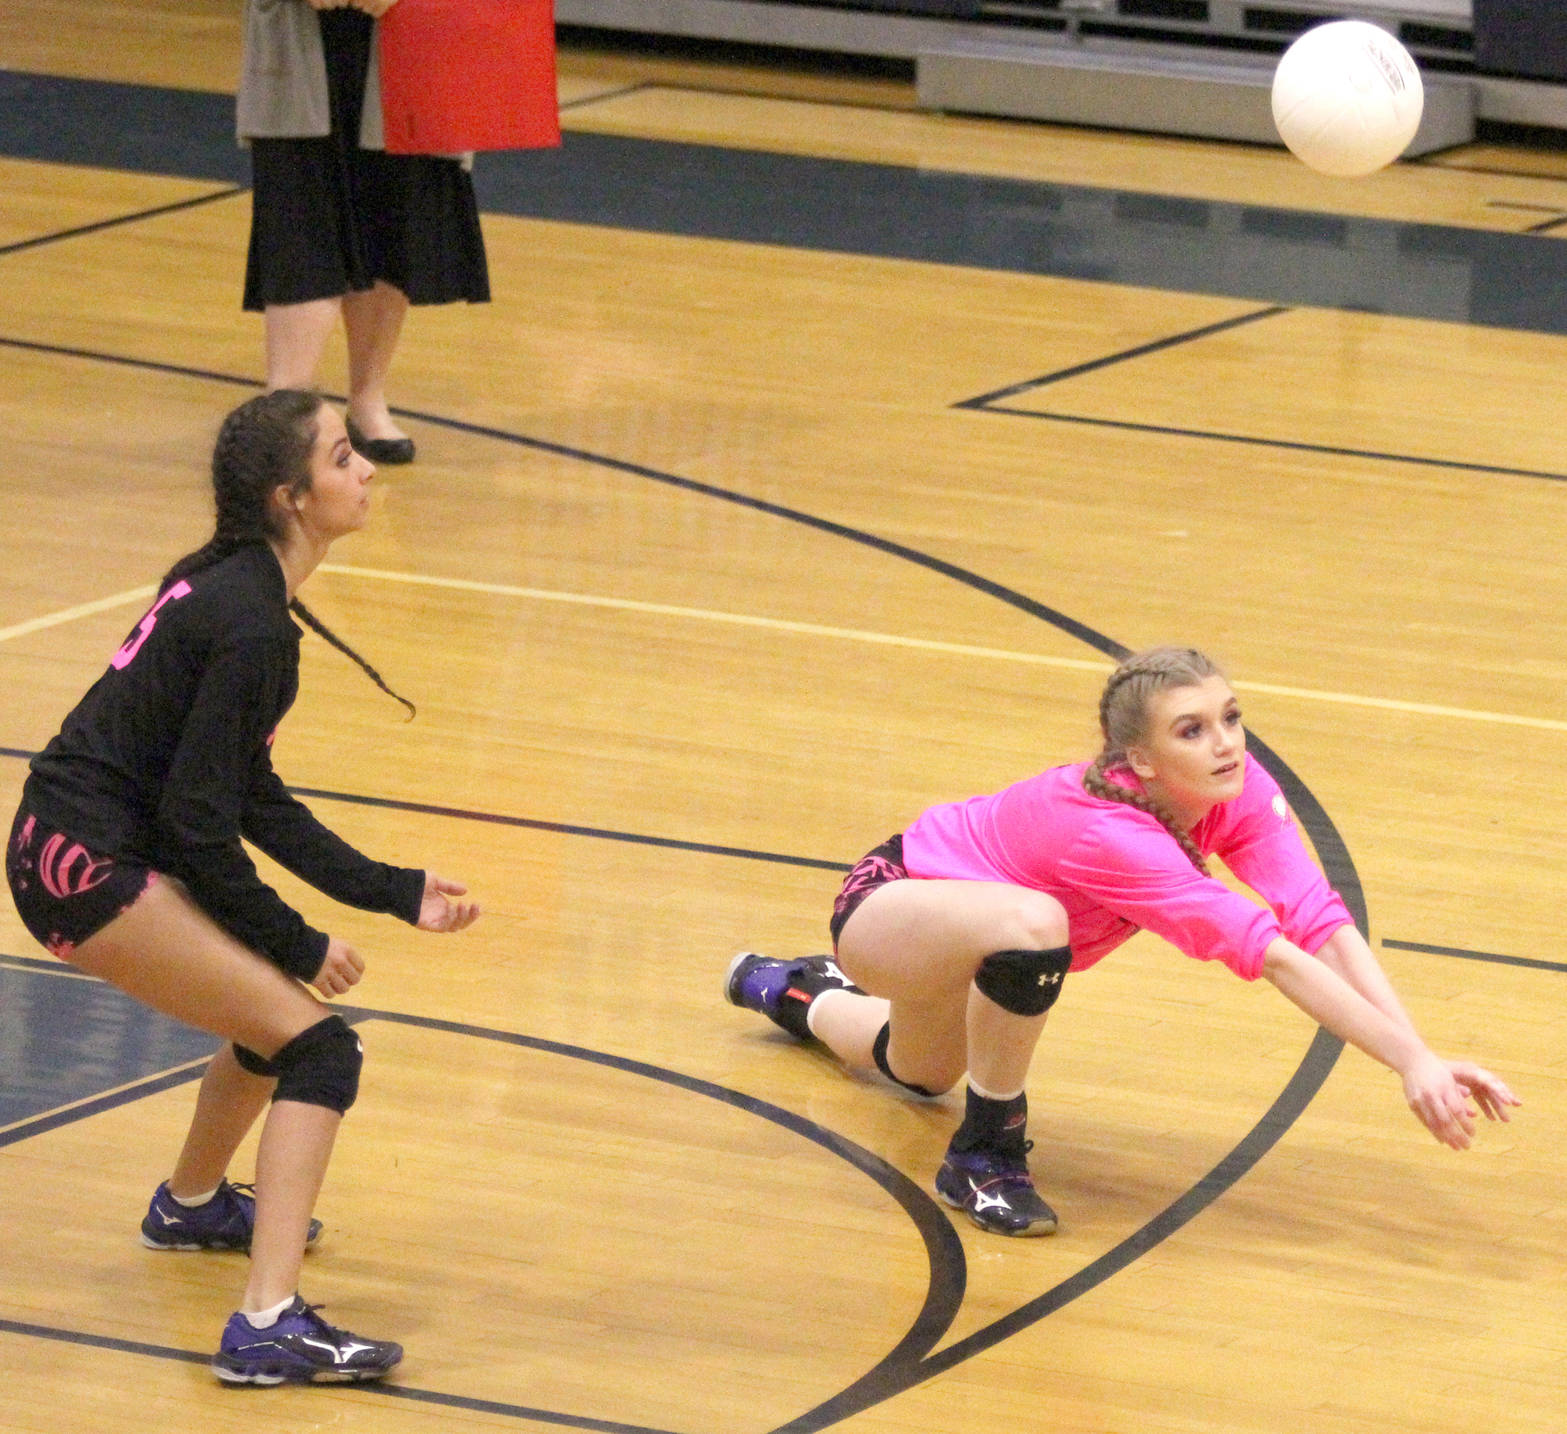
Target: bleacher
1196,67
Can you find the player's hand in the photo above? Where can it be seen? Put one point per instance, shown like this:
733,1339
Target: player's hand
1489,1093
341,969
373,8
1439,1101
439,911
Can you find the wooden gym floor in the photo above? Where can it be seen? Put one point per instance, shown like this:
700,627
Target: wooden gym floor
737,538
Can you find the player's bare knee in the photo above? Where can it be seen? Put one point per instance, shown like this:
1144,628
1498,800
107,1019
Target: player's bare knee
1036,922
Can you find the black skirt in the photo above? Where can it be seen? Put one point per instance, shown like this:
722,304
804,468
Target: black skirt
328,218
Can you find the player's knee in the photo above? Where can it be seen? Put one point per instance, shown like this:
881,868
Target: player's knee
936,1083
1036,922
1025,983
320,1066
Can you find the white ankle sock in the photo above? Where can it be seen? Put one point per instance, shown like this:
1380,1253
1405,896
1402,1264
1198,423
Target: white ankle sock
192,1201
980,1091
828,996
265,1319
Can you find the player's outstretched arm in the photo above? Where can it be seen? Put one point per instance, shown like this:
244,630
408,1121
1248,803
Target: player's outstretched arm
1438,1092
442,908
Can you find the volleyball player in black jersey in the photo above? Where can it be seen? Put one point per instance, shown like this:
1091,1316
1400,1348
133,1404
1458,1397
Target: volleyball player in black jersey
125,860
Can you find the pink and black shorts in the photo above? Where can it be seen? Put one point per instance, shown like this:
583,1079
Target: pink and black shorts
875,868
63,893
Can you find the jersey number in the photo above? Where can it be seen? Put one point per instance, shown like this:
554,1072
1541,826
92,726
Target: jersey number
122,659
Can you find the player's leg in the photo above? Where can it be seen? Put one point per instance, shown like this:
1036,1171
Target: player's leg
1000,952
166,952
197,1208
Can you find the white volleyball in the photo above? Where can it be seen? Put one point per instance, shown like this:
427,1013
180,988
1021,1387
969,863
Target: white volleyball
1347,98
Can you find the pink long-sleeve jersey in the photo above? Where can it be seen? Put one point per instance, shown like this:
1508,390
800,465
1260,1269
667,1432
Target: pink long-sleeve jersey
1116,869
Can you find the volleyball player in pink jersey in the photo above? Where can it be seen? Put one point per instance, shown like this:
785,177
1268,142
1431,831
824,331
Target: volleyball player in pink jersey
953,938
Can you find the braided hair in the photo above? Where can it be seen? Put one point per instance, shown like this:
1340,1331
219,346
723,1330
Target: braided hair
264,443
1123,715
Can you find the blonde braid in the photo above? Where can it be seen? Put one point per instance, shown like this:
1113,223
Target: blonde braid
1096,784
1123,714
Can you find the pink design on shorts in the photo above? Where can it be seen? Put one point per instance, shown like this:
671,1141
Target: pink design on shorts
55,865
24,838
869,872
872,872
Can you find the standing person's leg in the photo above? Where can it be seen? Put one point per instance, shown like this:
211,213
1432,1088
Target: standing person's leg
167,953
227,1105
373,319
296,337
197,1208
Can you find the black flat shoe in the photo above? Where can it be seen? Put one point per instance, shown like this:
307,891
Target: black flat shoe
381,450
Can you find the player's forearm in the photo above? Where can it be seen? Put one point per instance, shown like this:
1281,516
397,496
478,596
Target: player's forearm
1347,953
1334,1003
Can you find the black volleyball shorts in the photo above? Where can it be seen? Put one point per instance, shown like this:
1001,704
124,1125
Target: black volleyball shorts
63,893
876,868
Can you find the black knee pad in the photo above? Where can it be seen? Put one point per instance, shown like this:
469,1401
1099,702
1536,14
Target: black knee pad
250,1061
879,1054
1024,982
320,1066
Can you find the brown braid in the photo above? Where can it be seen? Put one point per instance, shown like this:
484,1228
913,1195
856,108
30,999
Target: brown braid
1123,713
316,625
264,443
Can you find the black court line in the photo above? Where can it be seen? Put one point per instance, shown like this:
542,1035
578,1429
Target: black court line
1531,962
538,824
992,403
569,829
423,1396
1547,226
1288,445
616,94
140,214
85,1109
895,1375
1124,356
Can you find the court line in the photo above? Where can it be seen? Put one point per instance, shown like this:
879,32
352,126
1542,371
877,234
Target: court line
1286,444
619,92
923,644
991,403
101,224
538,824
85,609
1533,963
812,629
984,400
29,1126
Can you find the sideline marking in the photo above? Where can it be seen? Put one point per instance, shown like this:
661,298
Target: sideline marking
70,614
924,644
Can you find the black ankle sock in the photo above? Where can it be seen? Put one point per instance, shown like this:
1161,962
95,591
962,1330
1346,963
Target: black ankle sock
990,1124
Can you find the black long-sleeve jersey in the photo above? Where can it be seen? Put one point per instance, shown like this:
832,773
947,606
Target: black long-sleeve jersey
168,759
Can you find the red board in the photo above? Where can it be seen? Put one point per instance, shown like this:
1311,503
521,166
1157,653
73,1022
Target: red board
459,75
